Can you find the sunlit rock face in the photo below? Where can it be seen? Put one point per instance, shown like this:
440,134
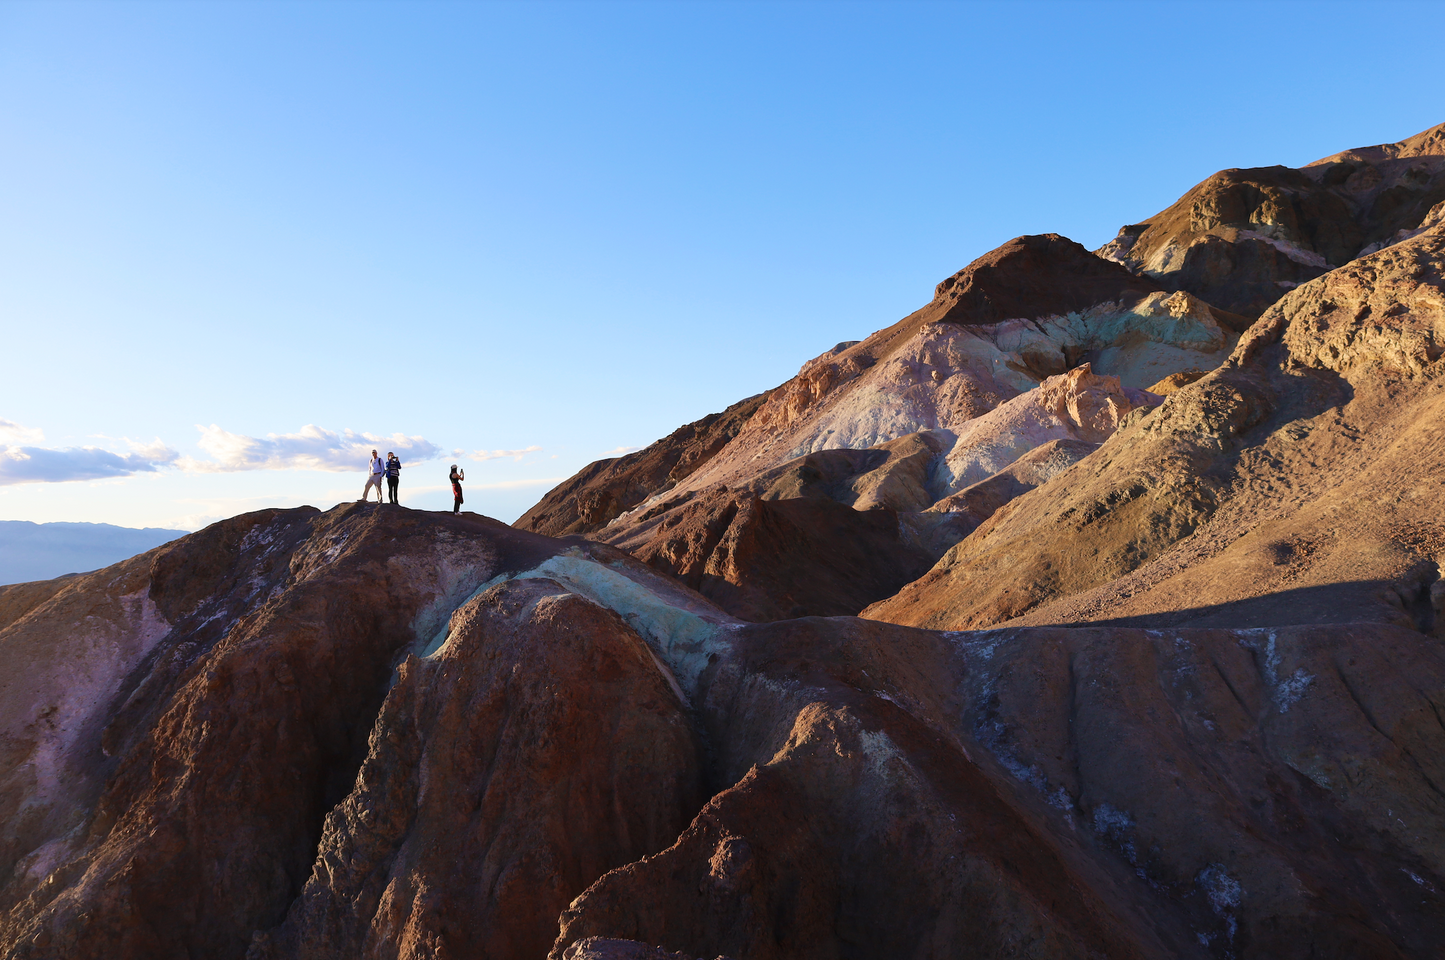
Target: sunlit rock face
1243,238
1296,483
941,367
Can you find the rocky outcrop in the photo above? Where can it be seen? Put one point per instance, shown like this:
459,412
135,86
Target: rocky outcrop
1036,276
1175,381
1243,238
177,727
1294,484
539,747
607,488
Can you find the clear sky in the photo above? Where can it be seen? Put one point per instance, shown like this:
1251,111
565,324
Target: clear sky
238,240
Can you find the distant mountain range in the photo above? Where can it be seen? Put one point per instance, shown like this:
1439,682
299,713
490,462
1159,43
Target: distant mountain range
43,551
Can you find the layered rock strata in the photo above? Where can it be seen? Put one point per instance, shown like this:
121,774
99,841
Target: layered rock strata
1296,483
537,748
177,727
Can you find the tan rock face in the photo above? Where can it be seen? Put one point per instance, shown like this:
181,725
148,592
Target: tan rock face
1175,381
1294,484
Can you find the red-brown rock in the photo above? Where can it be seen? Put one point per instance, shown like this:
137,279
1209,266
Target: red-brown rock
776,559
539,747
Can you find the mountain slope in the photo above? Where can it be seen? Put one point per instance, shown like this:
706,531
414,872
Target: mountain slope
934,375
1296,483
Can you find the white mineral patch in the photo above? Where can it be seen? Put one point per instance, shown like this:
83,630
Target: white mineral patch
457,568
1077,405
1290,249
1286,691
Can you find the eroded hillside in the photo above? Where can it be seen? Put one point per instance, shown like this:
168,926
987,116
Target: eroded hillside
376,733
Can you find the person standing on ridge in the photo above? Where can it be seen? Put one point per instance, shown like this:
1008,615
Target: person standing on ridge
393,475
378,470
457,477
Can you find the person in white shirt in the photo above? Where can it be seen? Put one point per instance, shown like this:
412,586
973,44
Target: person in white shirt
378,471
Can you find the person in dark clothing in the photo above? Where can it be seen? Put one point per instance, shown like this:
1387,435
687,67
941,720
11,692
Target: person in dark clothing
457,477
393,474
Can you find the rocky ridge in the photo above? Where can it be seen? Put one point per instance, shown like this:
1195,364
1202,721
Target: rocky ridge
578,756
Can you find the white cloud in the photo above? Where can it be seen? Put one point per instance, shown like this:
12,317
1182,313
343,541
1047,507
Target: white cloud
13,431
42,465
619,451
23,462
484,455
310,448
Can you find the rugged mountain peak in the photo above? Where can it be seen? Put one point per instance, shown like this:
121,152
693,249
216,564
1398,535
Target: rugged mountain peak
1243,238
1033,276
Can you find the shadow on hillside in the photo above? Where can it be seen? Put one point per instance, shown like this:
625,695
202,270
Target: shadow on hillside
1404,602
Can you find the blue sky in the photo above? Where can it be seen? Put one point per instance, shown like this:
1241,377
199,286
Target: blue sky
237,240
